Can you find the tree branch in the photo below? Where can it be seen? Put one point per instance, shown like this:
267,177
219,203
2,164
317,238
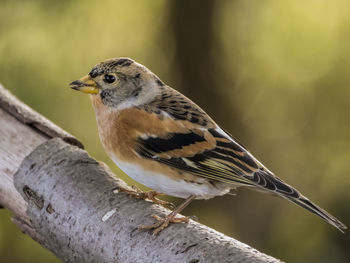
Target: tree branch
70,203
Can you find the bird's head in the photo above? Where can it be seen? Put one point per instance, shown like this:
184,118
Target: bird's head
119,82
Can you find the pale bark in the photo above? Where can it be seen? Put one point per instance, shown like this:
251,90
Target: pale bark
70,203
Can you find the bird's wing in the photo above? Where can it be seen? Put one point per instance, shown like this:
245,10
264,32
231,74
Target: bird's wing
202,147
210,153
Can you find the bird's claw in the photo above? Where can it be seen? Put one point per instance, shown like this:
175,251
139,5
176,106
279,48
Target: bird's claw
150,195
162,223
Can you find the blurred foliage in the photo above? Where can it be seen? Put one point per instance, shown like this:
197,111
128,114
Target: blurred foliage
278,74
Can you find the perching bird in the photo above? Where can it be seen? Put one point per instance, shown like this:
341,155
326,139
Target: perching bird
165,141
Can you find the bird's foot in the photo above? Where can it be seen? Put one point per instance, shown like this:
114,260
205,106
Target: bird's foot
150,195
162,223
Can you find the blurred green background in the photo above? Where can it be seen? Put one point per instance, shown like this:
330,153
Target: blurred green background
273,73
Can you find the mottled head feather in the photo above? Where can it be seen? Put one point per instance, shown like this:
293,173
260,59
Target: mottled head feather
109,65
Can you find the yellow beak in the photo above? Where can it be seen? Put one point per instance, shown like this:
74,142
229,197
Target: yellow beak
85,84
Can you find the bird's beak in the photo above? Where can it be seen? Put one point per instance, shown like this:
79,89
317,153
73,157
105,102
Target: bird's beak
85,84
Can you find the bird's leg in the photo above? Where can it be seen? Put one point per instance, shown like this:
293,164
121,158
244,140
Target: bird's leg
150,195
164,222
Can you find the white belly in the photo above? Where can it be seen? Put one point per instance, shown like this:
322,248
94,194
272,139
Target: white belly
169,186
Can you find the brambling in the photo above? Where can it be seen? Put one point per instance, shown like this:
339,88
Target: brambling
163,140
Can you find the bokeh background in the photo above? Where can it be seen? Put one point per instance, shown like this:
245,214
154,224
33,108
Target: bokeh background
273,73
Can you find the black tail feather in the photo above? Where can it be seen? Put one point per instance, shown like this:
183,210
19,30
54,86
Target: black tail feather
268,181
313,208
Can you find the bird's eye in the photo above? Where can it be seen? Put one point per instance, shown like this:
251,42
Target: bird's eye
109,79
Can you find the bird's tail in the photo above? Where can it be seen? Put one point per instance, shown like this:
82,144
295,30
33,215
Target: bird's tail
313,208
270,182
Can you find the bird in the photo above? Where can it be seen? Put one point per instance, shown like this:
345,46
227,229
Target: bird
163,140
